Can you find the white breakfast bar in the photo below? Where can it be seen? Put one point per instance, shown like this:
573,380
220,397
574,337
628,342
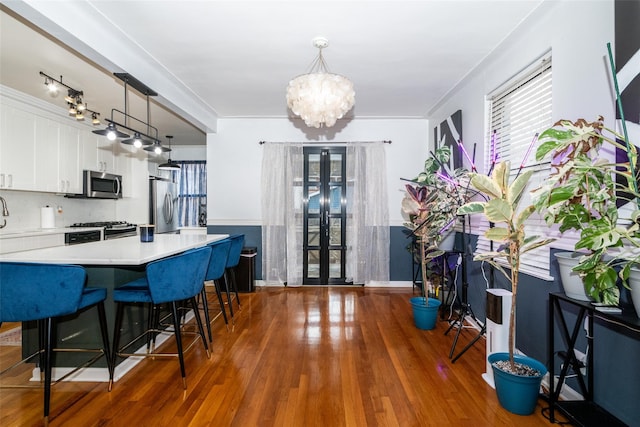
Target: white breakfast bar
109,264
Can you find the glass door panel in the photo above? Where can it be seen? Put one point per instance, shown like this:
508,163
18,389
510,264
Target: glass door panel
325,216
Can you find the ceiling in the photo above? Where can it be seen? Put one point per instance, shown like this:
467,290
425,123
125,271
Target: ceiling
225,59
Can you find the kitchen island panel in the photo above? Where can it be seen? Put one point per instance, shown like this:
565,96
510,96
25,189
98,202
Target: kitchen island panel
109,264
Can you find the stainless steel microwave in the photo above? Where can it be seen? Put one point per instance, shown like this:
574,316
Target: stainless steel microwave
100,185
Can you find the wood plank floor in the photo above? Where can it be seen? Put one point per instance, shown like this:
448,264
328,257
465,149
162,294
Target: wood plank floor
297,357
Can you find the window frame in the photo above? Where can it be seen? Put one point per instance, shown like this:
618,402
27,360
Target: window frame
511,133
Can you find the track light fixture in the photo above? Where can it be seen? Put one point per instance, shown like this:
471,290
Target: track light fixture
77,107
94,115
51,86
170,165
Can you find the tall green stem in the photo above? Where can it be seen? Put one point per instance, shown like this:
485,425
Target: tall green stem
632,158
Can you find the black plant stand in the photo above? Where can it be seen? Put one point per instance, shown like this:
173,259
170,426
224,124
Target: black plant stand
465,309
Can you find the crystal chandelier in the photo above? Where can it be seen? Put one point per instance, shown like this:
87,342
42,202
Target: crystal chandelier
320,97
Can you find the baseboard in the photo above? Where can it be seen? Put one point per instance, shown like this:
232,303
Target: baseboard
390,284
566,393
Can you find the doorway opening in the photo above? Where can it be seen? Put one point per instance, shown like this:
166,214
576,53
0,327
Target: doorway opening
325,216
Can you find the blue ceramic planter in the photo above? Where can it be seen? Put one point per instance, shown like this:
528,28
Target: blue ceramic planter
517,393
424,316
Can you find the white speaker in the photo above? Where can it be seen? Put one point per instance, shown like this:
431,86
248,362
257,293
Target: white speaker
498,309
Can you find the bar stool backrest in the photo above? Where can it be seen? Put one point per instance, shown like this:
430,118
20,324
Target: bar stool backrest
218,260
237,242
178,277
32,291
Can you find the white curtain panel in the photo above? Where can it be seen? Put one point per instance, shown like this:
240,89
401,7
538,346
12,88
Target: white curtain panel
367,214
282,169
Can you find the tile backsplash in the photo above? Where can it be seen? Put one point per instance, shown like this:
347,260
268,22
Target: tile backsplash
24,210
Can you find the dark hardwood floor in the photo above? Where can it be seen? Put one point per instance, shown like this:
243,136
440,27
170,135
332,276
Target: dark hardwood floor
297,357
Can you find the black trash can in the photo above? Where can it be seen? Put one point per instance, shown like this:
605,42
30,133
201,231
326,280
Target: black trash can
246,270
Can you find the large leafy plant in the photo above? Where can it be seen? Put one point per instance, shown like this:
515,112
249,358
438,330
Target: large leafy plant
502,208
431,202
582,194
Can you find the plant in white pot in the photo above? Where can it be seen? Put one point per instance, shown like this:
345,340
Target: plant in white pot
501,207
430,205
581,194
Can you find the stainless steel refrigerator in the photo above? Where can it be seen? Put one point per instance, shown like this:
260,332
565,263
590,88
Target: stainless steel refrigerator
163,206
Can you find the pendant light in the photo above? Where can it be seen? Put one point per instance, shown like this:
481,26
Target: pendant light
157,148
170,165
139,138
111,132
137,141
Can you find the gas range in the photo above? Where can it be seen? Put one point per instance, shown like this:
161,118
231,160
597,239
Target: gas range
112,229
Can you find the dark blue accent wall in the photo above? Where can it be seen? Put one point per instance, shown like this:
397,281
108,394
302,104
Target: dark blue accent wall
399,257
252,238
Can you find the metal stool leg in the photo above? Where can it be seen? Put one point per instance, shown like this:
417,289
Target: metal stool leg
205,307
221,301
177,333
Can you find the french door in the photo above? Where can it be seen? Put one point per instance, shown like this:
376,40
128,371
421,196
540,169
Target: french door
325,215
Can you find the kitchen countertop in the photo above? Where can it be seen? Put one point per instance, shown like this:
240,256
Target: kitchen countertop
46,231
123,251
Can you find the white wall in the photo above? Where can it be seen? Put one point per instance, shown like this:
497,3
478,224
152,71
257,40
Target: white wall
234,160
188,152
576,32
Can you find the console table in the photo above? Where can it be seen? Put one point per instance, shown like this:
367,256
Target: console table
581,412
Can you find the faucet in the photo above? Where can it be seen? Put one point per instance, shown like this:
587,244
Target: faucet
5,211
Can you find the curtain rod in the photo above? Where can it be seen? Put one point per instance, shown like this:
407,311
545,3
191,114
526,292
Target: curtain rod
326,142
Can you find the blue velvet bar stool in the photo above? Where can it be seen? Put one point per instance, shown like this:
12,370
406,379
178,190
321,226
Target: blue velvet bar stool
215,272
237,243
169,280
43,293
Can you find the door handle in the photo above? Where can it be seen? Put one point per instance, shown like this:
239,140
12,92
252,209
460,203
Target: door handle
326,223
165,207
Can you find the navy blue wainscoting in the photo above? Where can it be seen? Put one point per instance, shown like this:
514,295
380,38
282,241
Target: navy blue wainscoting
252,238
399,257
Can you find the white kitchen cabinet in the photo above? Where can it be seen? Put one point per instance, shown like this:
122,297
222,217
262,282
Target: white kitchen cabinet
69,167
97,152
56,157
42,149
124,156
46,154
17,149
106,158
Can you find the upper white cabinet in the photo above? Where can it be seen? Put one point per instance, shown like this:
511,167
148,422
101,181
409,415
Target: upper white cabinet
69,166
97,153
46,155
56,158
41,149
17,149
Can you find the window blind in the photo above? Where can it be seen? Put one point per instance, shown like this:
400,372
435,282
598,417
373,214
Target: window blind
518,112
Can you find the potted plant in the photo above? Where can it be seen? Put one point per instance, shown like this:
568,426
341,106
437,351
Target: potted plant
582,194
517,378
430,205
